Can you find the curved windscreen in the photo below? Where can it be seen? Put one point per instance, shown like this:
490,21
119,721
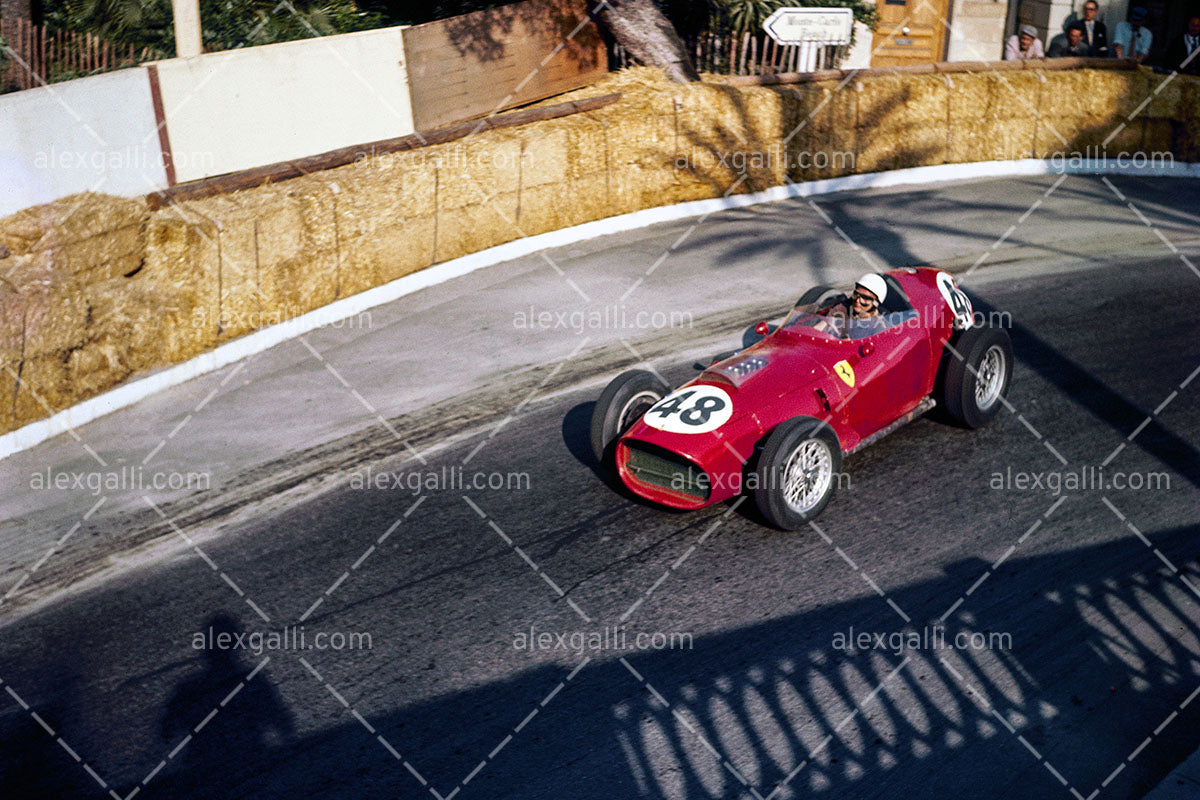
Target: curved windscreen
812,320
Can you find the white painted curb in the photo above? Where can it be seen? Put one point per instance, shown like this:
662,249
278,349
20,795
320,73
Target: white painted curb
124,396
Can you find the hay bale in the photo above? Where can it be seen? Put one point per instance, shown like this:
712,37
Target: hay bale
1066,94
543,156
981,140
468,229
181,259
44,387
587,139
971,98
49,303
1115,93
394,248
1016,95
71,220
1166,96
8,385
1158,136
1187,129
550,207
486,164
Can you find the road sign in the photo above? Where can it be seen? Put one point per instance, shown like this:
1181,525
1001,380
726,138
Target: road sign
797,25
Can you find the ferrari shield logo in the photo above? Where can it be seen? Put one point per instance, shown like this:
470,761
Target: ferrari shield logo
845,372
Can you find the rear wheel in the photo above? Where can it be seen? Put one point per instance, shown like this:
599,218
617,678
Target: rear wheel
797,472
622,403
976,383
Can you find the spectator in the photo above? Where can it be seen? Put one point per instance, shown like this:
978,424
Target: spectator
1072,44
1095,32
1024,44
1132,39
1186,47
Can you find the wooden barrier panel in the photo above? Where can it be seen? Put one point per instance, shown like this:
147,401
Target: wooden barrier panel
481,63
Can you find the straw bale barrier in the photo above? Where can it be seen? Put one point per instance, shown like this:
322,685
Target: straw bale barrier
96,289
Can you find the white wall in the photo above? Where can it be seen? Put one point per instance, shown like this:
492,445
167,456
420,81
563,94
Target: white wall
859,56
245,108
977,30
91,134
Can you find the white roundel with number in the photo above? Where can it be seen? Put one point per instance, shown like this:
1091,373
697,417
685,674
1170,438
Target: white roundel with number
960,304
692,409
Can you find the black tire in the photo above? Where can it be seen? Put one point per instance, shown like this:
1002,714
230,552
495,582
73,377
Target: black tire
626,398
976,383
771,474
818,294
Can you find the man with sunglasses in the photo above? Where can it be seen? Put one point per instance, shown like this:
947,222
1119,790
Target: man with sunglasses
869,291
860,311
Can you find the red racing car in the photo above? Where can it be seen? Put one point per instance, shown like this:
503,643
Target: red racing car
776,419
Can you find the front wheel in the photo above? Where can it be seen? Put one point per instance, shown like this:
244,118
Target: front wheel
977,377
797,472
622,403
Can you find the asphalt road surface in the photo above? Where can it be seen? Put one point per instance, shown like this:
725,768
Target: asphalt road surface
1078,605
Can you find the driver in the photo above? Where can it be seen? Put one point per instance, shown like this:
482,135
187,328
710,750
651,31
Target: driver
861,309
869,291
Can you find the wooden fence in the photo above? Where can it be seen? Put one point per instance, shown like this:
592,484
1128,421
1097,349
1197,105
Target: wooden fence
37,55
749,54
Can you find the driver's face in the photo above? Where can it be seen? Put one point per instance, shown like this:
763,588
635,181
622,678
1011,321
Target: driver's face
863,302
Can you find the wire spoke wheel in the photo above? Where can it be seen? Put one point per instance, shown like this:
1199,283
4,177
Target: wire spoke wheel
989,379
807,475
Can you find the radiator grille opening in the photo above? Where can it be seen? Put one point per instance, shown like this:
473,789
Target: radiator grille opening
666,470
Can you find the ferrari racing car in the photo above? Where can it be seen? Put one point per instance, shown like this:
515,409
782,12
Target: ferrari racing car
775,420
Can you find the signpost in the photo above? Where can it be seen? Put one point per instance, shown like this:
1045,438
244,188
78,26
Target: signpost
789,26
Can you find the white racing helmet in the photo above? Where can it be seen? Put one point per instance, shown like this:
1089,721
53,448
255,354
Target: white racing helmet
875,284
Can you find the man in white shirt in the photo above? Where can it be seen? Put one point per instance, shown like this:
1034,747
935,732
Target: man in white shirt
1023,45
1132,39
